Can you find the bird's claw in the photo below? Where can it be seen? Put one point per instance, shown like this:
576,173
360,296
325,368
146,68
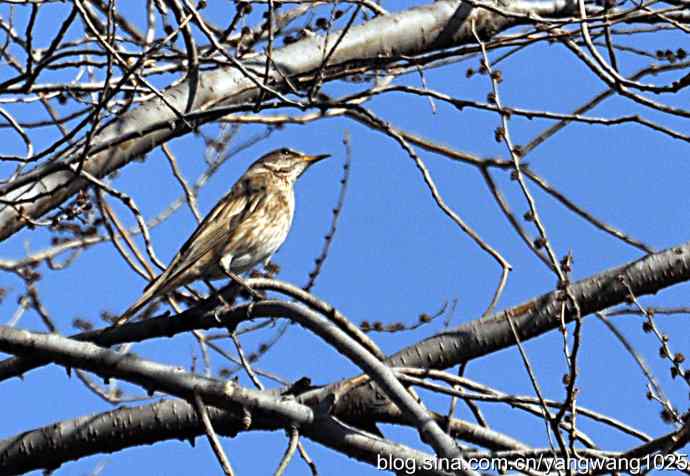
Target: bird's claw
220,310
216,315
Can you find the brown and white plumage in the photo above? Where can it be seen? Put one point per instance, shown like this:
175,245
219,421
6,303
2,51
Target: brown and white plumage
245,227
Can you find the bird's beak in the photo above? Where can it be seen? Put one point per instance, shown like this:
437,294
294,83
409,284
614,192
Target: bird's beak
312,159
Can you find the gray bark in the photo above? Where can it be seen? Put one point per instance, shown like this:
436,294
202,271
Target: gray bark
411,32
645,276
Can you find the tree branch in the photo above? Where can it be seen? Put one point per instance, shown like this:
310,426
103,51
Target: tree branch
411,32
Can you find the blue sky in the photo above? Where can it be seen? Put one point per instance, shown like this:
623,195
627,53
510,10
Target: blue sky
395,255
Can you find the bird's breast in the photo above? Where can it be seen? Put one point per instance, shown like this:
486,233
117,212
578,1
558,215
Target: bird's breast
263,231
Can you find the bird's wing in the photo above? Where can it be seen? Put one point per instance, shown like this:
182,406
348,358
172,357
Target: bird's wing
216,229
202,247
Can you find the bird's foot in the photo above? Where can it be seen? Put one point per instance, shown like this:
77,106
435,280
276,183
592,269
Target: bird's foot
225,306
244,289
218,313
271,269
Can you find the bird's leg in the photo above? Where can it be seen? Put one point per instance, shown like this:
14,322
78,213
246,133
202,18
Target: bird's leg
270,268
223,301
226,301
194,293
173,304
225,265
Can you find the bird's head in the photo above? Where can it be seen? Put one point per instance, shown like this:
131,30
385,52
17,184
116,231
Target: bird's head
287,163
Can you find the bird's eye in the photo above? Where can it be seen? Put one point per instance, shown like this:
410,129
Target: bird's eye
285,152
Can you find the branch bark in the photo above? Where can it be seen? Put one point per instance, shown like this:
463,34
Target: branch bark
533,318
415,31
52,446
474,339
150,375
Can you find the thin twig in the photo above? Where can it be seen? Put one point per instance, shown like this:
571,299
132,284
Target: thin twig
328,239
293,440
211,434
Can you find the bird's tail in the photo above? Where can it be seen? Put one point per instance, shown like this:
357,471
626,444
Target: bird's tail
152,290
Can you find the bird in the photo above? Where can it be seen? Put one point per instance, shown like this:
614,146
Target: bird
246,227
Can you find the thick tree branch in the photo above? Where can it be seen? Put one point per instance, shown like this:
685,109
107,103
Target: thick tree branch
471,340
54,445
415,31
644,276
481,337
150,375
153,376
